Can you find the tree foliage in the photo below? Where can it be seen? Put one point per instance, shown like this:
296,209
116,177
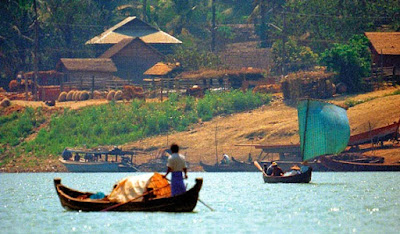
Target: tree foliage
296,57
351,61
65,25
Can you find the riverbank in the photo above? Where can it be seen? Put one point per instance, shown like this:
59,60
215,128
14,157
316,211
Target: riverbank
272,124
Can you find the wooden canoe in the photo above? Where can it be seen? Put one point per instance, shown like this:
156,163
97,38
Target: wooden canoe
339,165
185,202
376,135
300,178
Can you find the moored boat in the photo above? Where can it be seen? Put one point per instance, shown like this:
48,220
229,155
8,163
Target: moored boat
233,166
341,165
389,132
115,160
72,200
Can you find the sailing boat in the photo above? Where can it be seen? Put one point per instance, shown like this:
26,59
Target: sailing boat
324,129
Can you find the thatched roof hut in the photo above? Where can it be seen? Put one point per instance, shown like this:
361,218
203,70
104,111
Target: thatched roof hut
86,73
385,48
87,64
133,27
161,69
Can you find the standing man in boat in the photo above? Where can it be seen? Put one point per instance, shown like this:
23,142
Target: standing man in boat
176,165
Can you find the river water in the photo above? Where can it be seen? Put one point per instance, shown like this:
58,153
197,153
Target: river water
332,203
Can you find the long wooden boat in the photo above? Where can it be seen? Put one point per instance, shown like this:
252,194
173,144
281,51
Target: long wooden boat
185,202
340,165
233,166
115,160
376,135
304,177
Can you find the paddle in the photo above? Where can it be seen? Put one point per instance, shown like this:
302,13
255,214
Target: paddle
259,167
205,204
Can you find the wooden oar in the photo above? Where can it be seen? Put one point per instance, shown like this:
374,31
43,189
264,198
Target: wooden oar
259,167
135,198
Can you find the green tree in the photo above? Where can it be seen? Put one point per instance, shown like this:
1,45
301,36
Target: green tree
352,62
16,38
296,57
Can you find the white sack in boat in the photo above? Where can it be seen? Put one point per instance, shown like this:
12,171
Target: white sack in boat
129,188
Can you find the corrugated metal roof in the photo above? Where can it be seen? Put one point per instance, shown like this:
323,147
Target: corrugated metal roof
387,43
160,69
133,27
88,64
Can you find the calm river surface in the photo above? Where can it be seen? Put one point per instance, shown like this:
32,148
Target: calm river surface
331,203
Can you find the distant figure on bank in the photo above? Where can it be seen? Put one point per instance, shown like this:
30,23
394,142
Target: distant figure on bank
276,170
250,159
225,159
66,154
77,158
176,165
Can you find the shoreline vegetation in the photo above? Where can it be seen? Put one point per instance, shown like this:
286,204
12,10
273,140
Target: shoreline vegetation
111,124
32,139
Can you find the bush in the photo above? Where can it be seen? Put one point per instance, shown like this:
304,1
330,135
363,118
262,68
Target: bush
352,61
297,57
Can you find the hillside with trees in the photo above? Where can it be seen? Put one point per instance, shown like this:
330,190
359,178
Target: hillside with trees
310,29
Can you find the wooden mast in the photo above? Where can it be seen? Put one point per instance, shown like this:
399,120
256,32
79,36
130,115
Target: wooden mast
305,130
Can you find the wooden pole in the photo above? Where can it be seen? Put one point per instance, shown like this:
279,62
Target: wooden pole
262,25
213,27
283,45
92,86
161,93
216,144
305,131
26,87
35,58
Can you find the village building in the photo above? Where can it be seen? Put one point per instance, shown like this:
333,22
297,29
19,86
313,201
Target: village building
385,50
134,46
86,73
132,57
133,27
162,70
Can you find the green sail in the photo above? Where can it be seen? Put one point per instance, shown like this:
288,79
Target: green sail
323,128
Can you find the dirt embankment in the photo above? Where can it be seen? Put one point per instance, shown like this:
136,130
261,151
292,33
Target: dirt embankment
272,124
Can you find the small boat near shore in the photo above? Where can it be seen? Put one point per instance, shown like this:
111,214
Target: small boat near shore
336,164
389,132
115,160
78,201
233,166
